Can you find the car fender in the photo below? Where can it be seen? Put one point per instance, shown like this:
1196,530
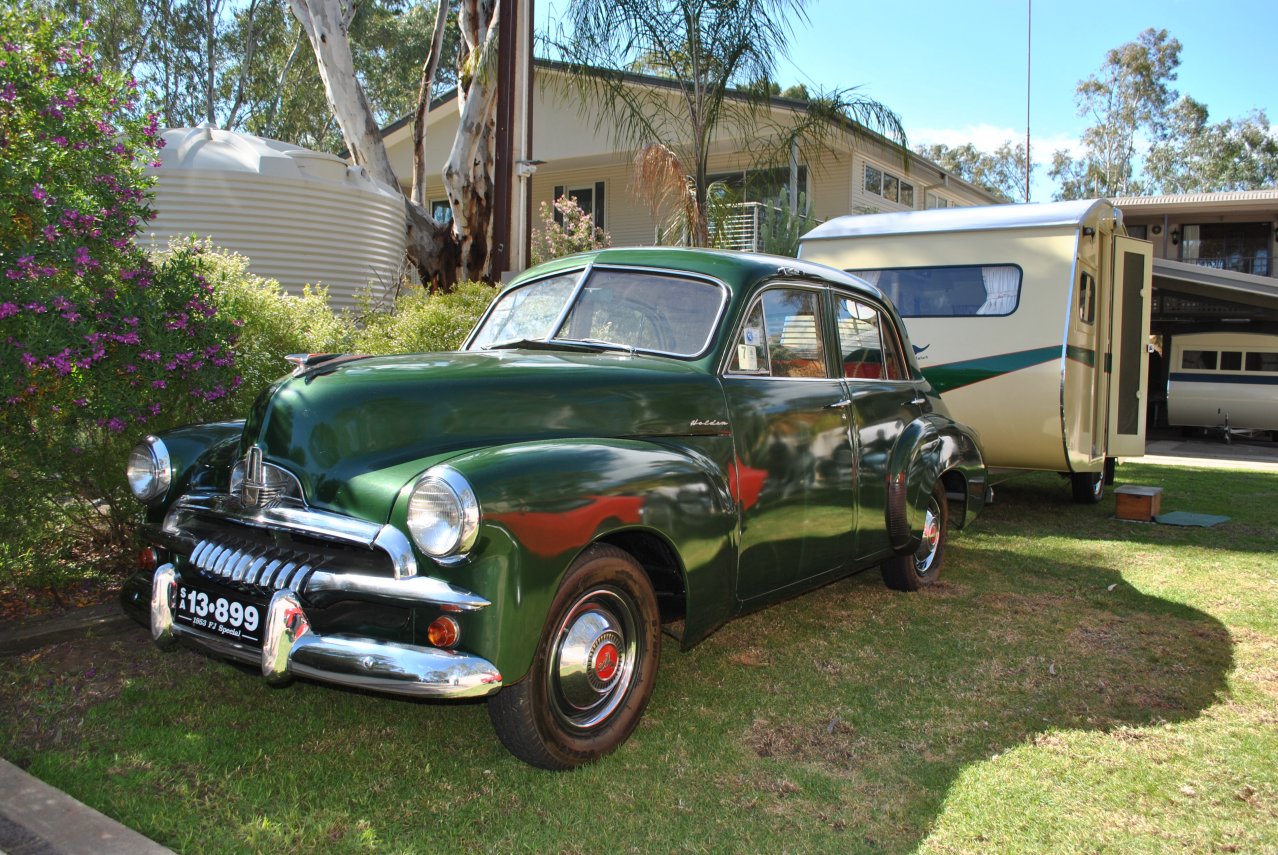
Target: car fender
543,503
929,448
193,450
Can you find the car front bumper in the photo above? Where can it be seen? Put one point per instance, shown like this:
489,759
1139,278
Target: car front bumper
291,648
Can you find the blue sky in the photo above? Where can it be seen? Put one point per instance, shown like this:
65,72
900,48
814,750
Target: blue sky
956,71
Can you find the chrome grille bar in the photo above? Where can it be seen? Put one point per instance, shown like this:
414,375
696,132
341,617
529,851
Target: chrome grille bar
275,569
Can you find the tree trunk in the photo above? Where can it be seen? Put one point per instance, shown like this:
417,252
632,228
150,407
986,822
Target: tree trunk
443,256
468,173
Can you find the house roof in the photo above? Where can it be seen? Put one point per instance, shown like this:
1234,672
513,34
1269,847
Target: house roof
791,104
1234,200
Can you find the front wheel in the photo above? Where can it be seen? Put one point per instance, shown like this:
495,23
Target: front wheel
912,572
594,668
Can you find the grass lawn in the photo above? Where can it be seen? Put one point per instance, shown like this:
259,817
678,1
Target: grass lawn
1073,684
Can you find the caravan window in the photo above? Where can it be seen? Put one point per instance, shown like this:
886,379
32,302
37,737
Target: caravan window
948,292
1262,361
1198,360
1231,360
867,346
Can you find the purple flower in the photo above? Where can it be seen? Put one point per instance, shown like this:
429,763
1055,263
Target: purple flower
8,93
39,193
8,310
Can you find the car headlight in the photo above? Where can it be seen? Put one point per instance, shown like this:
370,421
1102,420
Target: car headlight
149,470
443,513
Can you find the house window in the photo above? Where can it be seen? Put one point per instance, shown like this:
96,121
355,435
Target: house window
933,200
873,180
768,186
891,187
1240,247
589,198
441,212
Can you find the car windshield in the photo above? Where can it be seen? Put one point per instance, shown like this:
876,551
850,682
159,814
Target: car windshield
627,310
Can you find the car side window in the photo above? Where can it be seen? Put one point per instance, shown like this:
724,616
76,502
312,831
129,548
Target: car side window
867,345
782,336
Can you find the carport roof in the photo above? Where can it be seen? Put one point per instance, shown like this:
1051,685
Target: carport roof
1216,284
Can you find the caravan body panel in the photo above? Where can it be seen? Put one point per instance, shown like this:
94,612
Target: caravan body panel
1017,331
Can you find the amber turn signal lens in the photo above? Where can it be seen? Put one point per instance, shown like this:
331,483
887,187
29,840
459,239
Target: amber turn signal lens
443,632
148,560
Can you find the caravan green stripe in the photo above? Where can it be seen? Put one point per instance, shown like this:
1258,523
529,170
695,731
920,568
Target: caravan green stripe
1081,354
955,375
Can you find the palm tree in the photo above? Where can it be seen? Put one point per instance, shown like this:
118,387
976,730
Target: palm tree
713,60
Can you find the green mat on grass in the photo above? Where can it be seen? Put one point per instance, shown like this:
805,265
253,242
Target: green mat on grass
1186,518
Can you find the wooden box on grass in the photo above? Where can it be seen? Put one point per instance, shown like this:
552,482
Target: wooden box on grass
1137,503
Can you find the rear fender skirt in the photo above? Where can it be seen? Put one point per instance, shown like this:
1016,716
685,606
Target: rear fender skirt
926,451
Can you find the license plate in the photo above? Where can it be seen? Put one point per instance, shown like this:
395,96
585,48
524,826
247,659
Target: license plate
225,617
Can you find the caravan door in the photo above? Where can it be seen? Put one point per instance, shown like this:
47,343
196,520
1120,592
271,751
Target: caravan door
1133,287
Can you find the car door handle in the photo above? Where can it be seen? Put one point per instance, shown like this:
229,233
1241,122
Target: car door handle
846,402
919,399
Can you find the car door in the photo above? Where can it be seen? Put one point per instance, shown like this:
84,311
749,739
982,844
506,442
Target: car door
794,475
884,399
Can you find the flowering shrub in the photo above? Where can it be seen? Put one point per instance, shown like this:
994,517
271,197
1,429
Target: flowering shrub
272,323
565,229
98,344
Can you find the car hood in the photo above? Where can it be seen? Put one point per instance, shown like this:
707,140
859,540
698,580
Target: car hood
354,432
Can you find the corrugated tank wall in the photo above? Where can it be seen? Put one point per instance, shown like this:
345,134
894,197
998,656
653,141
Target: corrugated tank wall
300,217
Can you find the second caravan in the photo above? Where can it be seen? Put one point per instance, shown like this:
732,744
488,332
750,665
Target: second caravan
1031,320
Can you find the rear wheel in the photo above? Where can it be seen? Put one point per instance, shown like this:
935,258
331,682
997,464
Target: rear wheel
1087,487
594,668
912,572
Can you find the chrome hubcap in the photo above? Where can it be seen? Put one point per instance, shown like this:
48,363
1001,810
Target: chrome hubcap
593,659
926,553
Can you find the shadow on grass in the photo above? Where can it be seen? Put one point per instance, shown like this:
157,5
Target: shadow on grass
834,722
837,721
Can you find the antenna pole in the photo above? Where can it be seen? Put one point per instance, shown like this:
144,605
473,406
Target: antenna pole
1029,12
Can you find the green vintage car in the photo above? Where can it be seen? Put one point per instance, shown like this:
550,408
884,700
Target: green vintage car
631,441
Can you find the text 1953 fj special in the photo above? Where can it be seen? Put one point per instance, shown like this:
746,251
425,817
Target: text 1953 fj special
630,439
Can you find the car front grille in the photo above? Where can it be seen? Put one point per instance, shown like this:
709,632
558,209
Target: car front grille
260,563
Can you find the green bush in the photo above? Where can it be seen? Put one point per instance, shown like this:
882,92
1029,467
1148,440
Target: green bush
421,322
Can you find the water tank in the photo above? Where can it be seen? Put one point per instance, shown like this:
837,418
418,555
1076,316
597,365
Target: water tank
300,217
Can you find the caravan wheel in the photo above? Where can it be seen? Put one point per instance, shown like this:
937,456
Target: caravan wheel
1088,487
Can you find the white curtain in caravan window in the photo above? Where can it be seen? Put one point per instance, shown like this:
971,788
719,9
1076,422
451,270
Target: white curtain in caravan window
871,276
1001,286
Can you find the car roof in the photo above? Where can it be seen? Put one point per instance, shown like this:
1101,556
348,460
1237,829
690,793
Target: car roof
737,270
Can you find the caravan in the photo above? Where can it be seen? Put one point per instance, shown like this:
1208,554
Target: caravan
1224,381
1031,320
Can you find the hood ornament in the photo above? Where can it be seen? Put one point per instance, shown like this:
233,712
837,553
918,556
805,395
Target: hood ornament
256,484
253,488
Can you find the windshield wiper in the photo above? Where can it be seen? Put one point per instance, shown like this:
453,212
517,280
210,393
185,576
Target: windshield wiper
589,345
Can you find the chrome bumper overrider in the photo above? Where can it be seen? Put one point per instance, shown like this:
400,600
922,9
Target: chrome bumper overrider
290,648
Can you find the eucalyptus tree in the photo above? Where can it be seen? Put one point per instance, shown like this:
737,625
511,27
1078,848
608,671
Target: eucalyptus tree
712,55
1200,157
1001,172
1128,103
443,253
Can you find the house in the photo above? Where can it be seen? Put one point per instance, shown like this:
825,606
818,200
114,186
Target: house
1213,269
574,155
1213,259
